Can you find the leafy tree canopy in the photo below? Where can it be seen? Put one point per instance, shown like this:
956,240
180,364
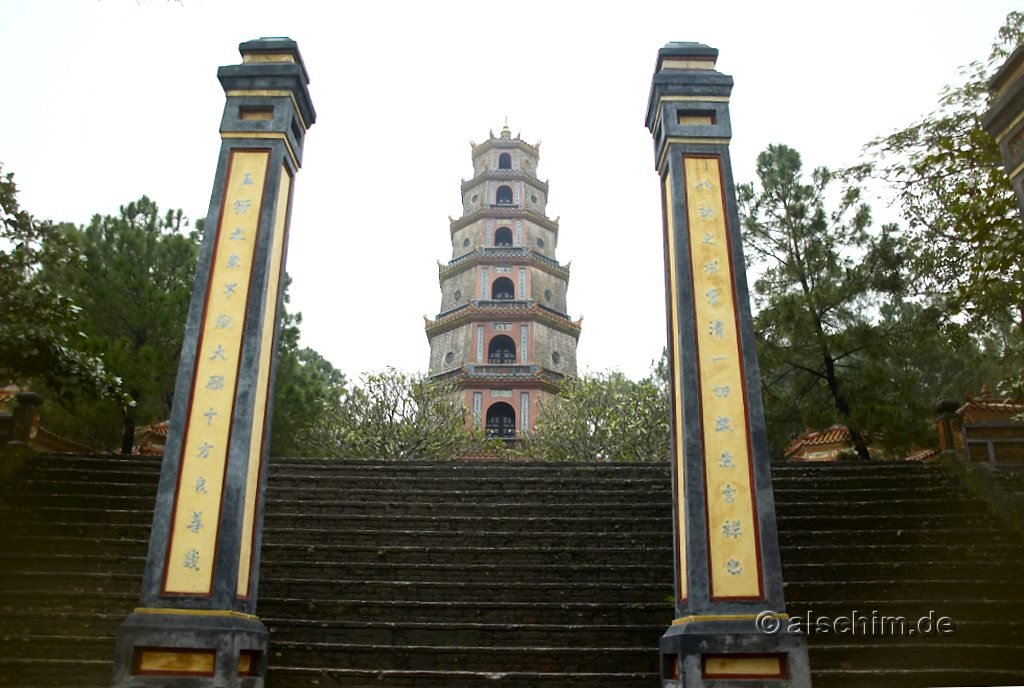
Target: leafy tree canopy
604,417
821,278
395,415
965,231
133,283
40,336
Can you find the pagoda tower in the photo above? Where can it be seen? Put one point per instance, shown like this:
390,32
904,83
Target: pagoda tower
503,332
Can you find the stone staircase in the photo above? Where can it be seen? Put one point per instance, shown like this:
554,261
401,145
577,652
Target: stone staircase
476,574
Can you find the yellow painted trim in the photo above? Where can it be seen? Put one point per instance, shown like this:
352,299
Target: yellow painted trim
705,99
686,63
695,120
723,667
1008,81
1002,135
687,140
271,93
724,617
248,58
1016,171
263,135
256,114
196,612
673,318
171,661
262,385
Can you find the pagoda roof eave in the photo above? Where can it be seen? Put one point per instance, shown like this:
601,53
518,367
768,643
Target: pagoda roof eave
503,175
503,213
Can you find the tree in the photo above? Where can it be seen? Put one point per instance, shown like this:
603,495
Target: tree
822,277
133,284
39,324
604,417
965,230
306,387
394,415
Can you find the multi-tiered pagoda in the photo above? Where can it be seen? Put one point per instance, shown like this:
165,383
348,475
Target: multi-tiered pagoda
503,332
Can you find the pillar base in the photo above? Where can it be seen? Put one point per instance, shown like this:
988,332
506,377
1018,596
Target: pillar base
722,651
190,649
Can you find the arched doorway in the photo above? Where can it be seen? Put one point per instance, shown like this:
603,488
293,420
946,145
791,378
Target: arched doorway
501,421
501,350
503,236
503,289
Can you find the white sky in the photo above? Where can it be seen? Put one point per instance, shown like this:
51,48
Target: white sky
106,100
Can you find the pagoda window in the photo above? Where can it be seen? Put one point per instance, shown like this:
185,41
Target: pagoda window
503,236
504,161
501,350
501,421
504,195
503,289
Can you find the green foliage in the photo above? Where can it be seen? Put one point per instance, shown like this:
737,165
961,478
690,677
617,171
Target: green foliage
822,276
395,415
39,323
306,387
133,283
604,417
952,189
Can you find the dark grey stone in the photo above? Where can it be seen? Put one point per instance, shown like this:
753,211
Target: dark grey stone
687,641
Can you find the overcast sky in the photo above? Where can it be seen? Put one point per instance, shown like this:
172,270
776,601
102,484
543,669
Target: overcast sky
106,100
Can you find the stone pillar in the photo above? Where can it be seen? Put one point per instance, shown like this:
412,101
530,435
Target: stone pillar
730,627
946,416
1004,121
196,625
26,419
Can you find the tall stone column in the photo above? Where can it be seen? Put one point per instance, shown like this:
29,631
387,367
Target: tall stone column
1004,120
196,625
730,626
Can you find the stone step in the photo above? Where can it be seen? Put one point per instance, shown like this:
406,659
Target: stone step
399,536
997,589
904,509
300,677
849,569
452,658
79,647
894,654
274,603
404,633
961,609
898,536
561,614
54,672
921,677
799,554
389,590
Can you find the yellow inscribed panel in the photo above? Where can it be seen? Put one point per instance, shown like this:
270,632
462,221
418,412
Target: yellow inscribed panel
733,551
176,662
262,385
205,445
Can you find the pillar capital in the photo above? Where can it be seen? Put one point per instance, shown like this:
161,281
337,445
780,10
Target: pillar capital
689,99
